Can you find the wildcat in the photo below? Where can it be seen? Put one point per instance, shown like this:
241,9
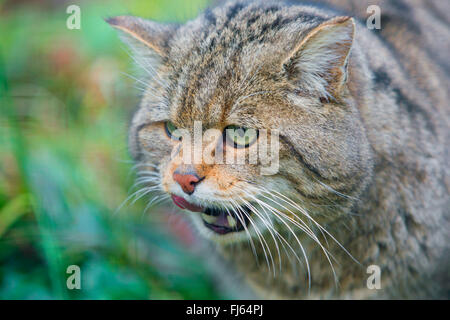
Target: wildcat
362,185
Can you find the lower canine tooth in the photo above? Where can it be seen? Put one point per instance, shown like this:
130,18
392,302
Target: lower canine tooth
231,221
209,219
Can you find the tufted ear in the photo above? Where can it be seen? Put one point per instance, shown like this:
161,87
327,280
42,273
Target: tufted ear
318,64
147,39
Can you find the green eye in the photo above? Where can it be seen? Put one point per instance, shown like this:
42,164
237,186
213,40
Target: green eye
240,137
172,131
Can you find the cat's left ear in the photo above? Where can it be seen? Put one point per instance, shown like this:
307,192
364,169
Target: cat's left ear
318,64
148,39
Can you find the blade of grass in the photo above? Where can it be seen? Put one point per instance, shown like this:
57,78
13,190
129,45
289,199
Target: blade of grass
12,211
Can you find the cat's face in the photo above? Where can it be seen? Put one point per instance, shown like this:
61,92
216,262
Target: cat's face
232,82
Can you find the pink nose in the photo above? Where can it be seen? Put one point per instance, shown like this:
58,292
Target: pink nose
187,182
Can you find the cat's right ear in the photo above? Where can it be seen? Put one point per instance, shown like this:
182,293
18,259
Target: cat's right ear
146,38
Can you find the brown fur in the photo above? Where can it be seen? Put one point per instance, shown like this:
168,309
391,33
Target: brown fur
364,147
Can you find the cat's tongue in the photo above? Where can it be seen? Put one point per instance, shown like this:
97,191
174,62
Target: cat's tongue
183,204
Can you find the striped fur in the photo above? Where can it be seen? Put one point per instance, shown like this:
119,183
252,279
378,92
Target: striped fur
364,132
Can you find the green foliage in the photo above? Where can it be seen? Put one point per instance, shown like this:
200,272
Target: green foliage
64,166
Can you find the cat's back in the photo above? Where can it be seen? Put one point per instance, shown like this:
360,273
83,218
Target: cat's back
408,124
407,118
417,35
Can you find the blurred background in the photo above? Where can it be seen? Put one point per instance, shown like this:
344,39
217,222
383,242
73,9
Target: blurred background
65,105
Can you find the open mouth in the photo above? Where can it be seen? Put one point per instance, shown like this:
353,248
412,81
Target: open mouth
219,220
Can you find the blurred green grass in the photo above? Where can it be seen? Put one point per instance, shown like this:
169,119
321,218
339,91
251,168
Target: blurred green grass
64,166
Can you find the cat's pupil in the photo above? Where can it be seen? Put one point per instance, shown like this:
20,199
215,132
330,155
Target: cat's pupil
240,132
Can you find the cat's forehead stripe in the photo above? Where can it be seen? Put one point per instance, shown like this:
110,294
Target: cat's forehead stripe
207,78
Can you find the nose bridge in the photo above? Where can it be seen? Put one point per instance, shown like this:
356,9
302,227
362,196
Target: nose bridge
186,169
197,151
189,162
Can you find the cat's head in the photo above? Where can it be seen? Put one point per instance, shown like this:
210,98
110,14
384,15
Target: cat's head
278,78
